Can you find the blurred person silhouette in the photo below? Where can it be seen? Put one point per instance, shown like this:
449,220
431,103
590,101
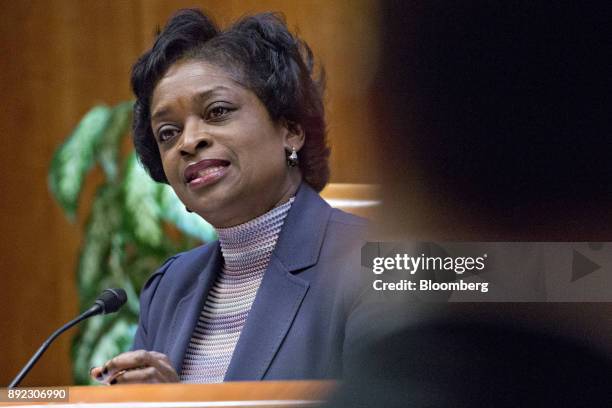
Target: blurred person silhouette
497,120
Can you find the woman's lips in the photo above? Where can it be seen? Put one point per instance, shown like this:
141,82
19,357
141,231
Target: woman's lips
205,172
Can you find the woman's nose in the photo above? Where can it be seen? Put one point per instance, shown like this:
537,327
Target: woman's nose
194,138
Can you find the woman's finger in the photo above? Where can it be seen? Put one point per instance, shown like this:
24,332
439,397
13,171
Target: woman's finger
96,373
138,375
137,363
125,361
163,364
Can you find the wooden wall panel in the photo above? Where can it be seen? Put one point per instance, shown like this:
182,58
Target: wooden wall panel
61,57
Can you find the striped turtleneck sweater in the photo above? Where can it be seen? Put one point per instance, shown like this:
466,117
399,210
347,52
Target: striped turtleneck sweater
246,250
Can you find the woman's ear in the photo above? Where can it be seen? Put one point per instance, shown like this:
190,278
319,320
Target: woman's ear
294,137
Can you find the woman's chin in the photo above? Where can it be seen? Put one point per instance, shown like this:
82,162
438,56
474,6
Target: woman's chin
214,205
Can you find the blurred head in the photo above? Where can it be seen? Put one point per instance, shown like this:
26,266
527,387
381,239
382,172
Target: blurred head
498,119
217,113
496,128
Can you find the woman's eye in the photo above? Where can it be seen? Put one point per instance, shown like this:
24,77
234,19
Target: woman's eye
218,113
166,133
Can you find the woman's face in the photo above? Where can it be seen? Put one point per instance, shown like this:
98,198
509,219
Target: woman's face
221,152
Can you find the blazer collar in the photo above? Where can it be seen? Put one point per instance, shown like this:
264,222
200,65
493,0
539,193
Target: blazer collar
301,237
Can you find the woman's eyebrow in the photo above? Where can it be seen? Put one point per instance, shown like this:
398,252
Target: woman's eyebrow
205,95
159,114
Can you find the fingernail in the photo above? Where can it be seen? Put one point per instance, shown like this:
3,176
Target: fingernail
105,371
113,381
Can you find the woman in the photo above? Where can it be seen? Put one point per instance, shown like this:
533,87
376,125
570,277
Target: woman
233,120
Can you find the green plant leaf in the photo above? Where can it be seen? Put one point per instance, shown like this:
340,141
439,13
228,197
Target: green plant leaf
173,211
117,339
75,157
110,142
142,211
133,303
101,339
103,223
140,267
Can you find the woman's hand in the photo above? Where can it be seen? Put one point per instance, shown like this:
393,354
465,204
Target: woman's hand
138,366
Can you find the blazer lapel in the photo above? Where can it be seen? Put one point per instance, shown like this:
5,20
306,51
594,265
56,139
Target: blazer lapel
281,292
189,308
269,321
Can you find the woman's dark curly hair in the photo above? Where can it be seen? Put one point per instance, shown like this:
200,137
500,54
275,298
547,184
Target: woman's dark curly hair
260,53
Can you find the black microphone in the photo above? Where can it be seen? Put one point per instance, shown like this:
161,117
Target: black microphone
108,302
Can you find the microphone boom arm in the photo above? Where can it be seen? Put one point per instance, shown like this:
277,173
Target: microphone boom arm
108,302
92,311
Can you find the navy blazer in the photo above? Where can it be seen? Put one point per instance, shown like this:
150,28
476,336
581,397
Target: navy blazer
296,326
